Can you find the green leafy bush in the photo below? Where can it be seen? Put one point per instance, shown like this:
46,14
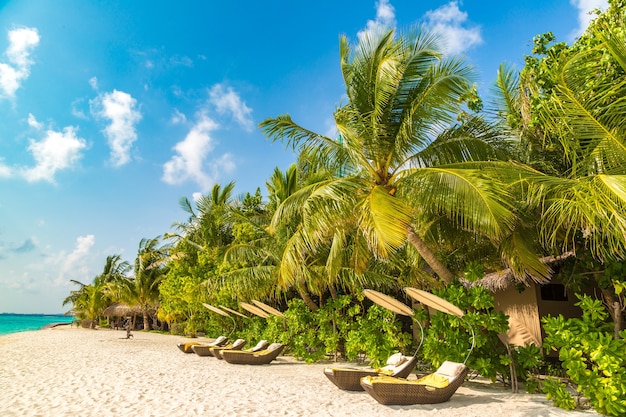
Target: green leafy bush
450,338
528,360
592,358
378,335
342,326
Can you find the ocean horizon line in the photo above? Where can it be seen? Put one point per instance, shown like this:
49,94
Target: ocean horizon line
7,313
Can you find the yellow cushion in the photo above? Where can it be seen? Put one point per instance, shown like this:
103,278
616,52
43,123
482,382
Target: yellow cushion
371,380
384,371
190,344
433,380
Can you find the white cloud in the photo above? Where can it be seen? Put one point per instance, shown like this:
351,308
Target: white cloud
93,82
55,152
5,171
178,117
448,22
21,43
584,8
190,160
385,20
32,122
121,109
73,265
76,109
184,61
227,101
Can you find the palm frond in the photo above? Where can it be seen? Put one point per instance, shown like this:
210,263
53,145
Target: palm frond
474,201
519,252
383,220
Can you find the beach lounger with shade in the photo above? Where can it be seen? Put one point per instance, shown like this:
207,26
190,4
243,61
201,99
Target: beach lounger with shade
260,357
435,388
236,345
204,349
398,366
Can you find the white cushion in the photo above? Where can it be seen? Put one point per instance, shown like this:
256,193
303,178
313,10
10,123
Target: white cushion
396,359
260,345
450,369
219,339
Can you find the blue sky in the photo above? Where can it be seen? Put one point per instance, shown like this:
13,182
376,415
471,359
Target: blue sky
112,111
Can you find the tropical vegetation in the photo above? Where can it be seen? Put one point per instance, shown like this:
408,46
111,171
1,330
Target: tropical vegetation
427,187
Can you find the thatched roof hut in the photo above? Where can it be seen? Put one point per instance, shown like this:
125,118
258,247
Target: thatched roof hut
526,305
501,280
121,310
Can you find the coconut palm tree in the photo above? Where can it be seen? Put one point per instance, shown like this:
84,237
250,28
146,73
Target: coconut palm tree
88,301
568,103
404,158
142,289
206,226
91,299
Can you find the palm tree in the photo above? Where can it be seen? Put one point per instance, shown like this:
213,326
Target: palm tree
570,103
114,269
405,162
206,226
88,301
142,289
91,299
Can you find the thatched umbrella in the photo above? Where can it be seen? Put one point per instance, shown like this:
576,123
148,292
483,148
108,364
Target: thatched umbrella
255,310
267,308
397,307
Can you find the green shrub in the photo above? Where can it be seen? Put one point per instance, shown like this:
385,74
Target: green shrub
342,326
450,338
378,335
177,328
592,358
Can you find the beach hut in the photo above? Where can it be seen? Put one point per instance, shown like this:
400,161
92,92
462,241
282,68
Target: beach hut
119,310
526,304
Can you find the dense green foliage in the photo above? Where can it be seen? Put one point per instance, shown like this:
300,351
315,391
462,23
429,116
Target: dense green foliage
592,358
450,338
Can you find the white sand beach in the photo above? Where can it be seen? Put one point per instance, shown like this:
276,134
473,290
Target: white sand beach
77,372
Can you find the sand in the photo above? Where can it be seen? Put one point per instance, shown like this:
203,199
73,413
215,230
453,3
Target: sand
67,371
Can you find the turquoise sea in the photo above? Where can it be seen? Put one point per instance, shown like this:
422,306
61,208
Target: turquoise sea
13,323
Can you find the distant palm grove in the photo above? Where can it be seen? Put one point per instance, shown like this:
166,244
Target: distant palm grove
427,186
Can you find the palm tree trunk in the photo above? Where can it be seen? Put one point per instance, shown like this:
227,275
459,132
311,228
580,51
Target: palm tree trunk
307,299
146,320
437,266
333,292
